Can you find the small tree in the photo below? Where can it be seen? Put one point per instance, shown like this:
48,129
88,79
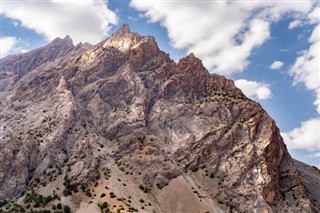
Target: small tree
66,209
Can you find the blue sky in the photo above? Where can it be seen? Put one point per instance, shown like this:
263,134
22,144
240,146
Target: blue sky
269,48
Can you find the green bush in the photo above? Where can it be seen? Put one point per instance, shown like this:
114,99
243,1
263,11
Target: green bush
159,186
83,187
69,187
88,193
211,175
59,206
38,199
144,188
112,195
104,207
195,169
66,209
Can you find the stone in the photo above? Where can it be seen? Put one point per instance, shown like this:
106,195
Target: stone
122,113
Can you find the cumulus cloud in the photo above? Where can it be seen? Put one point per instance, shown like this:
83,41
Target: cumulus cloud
84,21
314,17
254,89
294,24
276,65
306,68
315,155
10,45
7,45
222,33
306,137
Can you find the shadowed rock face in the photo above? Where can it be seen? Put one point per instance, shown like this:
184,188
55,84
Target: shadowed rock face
73,112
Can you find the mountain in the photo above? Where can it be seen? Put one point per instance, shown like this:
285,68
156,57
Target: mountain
120,127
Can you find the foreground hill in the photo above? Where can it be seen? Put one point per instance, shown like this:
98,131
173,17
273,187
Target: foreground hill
119,126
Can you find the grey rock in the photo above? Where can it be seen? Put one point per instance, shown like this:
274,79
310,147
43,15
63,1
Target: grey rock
72,111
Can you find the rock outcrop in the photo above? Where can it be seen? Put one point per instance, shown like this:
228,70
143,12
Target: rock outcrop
122,125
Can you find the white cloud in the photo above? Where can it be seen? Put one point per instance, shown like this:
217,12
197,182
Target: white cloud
15,23
306,137
254,89
7,45
84,21
315,155
222,33
11,45
276,65
314,16
306,68
295,23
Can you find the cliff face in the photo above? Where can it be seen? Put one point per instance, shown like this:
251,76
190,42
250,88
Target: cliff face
122,118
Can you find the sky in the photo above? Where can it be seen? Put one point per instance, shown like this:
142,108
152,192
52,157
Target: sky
269,48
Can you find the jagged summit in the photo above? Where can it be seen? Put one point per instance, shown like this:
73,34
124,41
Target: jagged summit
193,61
191,55
66,40
124,29
119,126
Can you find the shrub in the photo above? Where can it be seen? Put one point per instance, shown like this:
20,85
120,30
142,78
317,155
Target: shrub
66,209
159,186
112,195
195,169
83,187
3,203
37,180
144,188
141,187
103,206
69,187
38,199
59,206
88,193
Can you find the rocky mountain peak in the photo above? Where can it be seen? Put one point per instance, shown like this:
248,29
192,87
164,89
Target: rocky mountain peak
15,67
124,29
66,41
124,40
192,64
119,126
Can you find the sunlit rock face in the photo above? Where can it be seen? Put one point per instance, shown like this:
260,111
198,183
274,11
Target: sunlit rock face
121,117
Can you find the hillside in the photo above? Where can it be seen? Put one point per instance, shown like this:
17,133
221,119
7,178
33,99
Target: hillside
121,127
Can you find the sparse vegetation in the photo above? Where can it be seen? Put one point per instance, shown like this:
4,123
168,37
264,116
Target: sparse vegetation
144,188
88,193
107,173
69,187
159,186
194,169
104,207
38,199
66,209
112,195
59,206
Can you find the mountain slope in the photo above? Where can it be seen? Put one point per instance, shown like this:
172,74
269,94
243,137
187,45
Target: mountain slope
121,123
